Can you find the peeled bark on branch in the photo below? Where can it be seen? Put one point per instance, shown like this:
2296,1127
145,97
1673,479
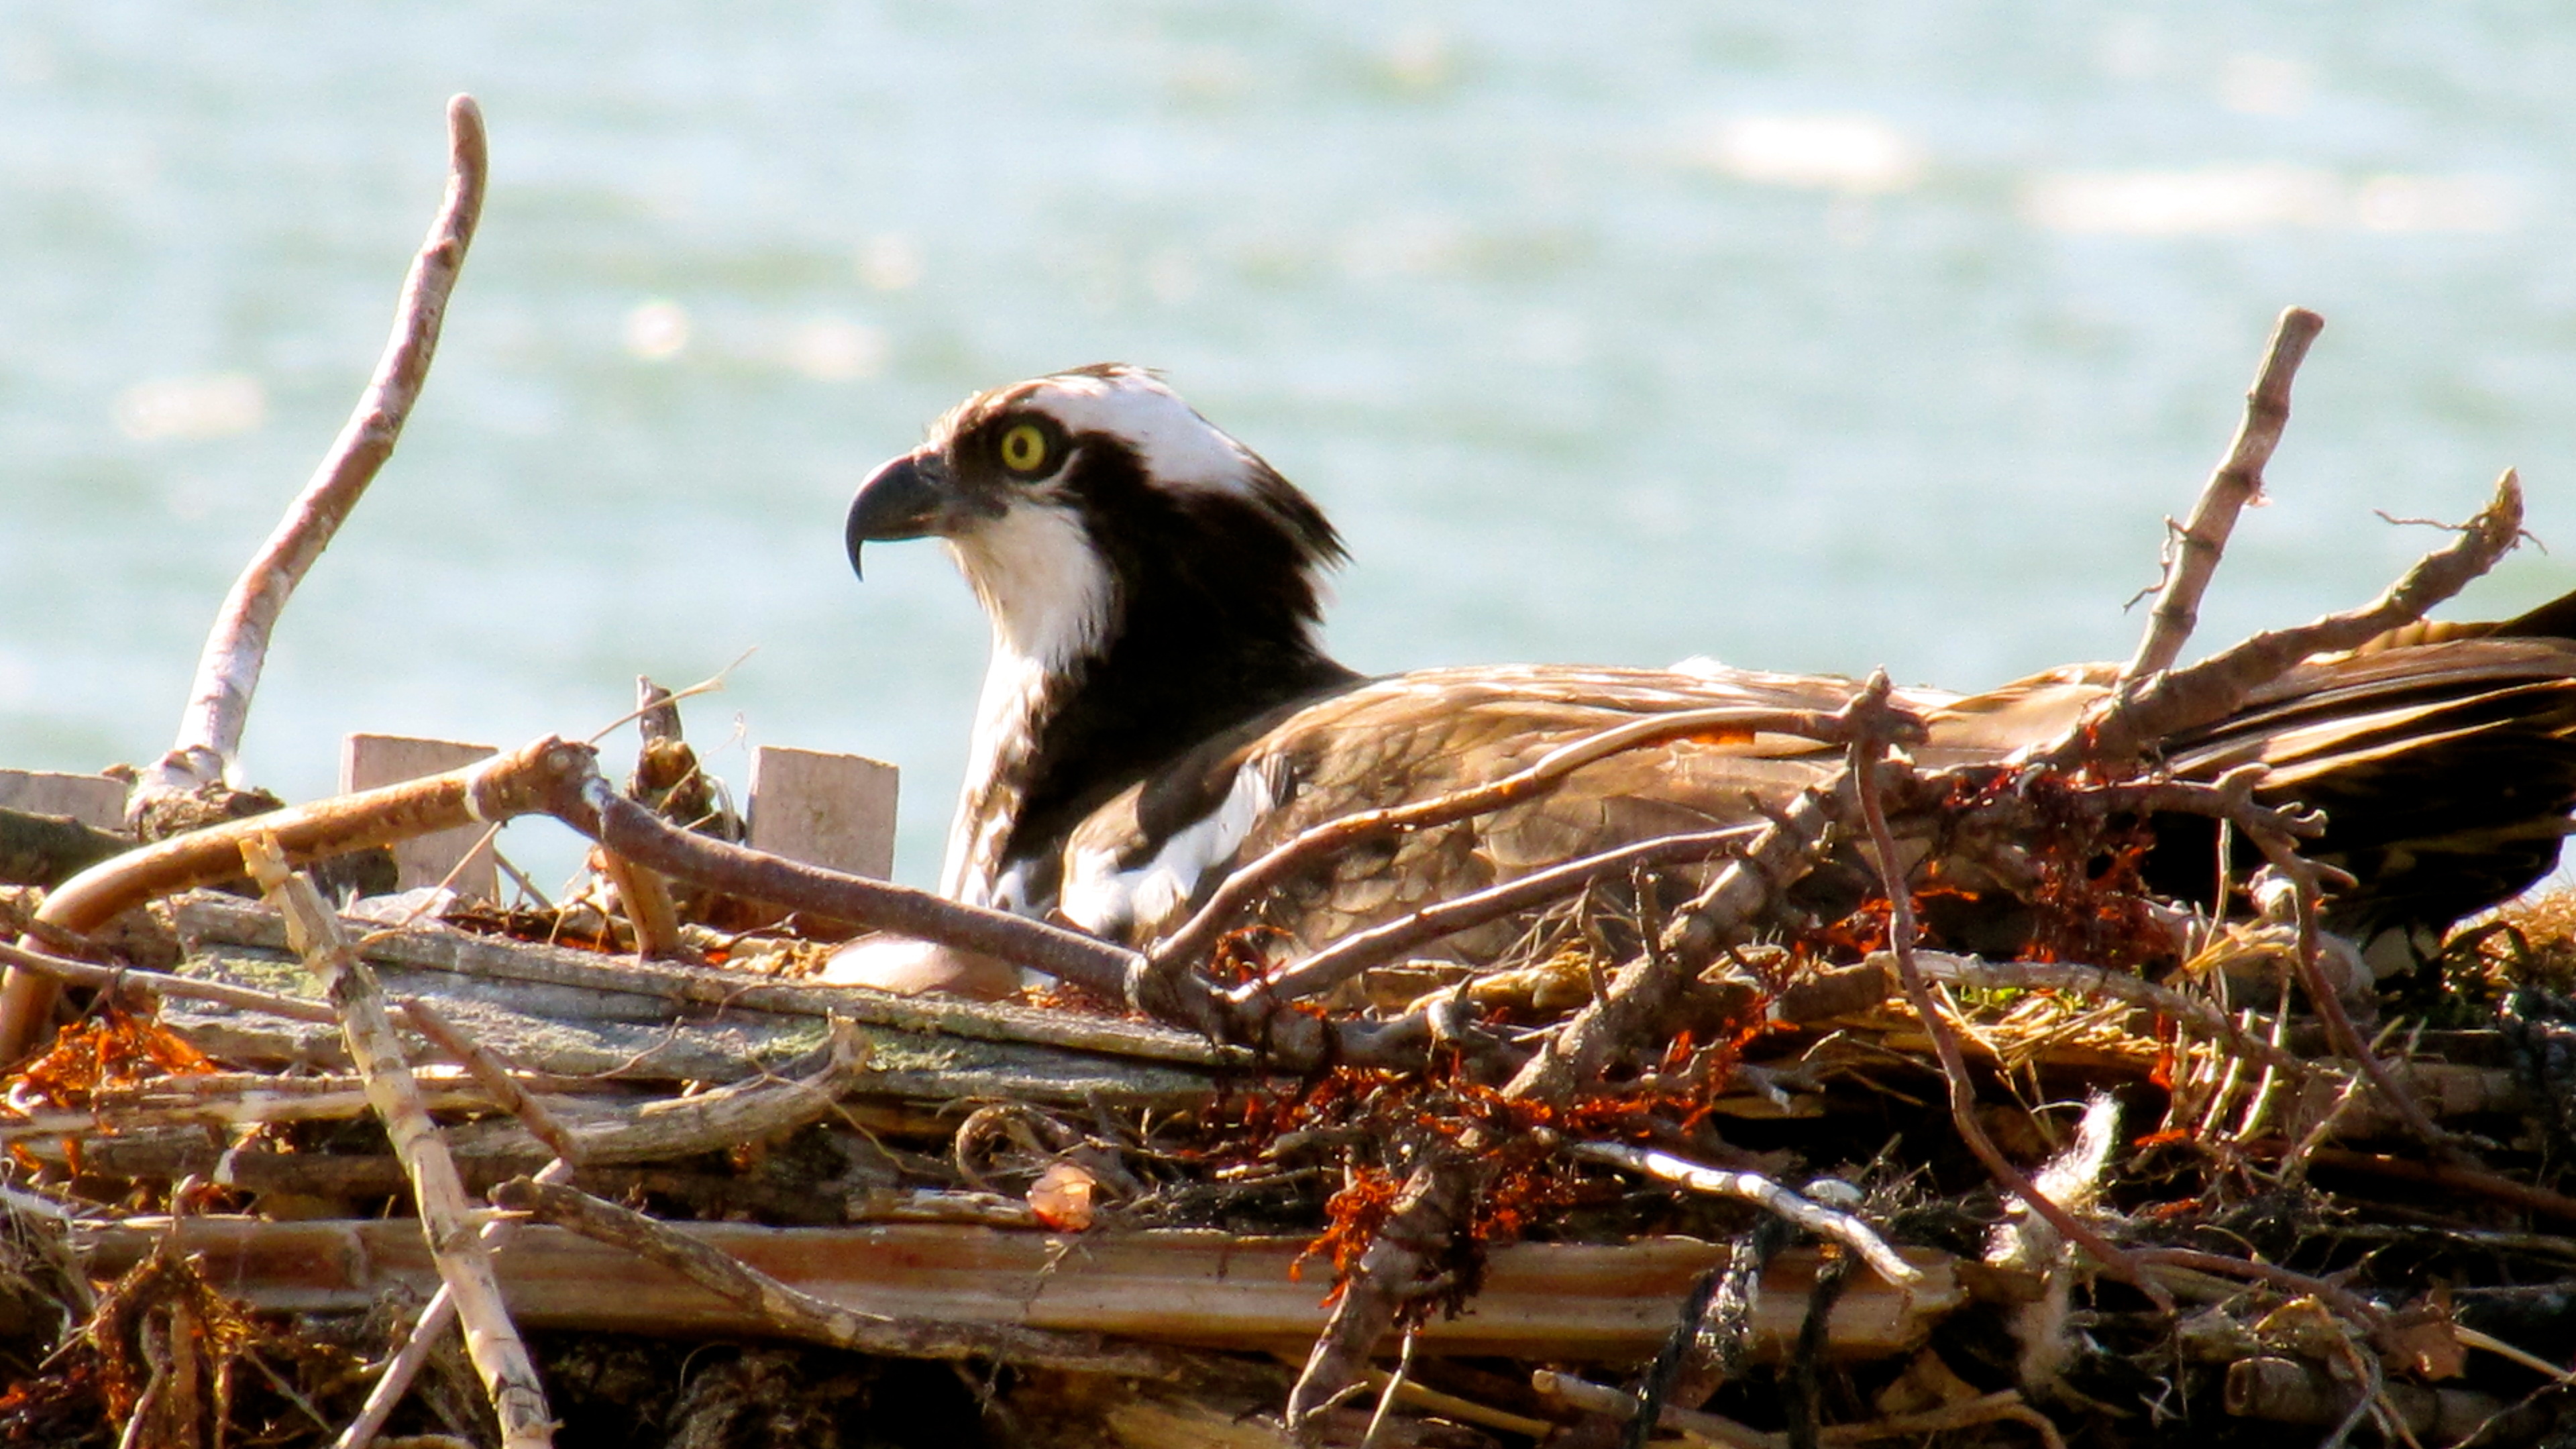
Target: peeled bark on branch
210,729
490,790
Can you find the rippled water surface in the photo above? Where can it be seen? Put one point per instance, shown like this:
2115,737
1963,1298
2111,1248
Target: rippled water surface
1807,337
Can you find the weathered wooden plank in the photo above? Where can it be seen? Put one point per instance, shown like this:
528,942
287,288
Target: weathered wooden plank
209,919
636,1038
835,811
578,1013
1562,1302
368,761
93,800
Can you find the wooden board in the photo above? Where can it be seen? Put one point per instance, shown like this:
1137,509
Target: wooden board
93,800
579,1013
835,811
1561,1302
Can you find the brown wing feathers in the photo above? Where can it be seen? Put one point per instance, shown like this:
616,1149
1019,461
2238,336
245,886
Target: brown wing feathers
2446,772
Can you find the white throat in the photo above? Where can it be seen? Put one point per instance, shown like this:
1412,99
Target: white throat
1043,585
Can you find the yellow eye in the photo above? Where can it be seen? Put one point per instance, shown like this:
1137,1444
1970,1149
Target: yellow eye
1024,448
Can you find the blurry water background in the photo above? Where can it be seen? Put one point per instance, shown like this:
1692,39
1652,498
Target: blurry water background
1808,337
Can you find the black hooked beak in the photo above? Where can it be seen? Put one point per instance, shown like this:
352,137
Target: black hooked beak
906,498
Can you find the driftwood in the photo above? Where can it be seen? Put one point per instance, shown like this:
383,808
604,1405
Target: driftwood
570,1014
2183,699
212,920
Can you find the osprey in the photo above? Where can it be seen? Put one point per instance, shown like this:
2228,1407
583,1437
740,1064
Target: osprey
1158,711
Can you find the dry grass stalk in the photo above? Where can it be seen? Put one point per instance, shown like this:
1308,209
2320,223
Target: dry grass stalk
1976,974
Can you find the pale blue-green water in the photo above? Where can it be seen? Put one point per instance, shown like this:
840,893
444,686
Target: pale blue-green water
1810,337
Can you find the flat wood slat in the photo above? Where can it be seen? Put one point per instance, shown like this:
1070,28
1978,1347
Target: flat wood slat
1558,1301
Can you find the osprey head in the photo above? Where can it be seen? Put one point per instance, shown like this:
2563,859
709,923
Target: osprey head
1068,498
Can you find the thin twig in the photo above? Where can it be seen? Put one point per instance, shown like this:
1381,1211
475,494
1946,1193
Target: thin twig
2461,1179
1761,1191
2302,874
437,1316
493,1076
2342,1300
2197,545
1602,1399
1386,1394
2133,718
486,791
1181,949
210,727
2229,798
139,989
595,1145
1642,994
1867,752
590,805
1433,1202
1360,950
1464,1411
